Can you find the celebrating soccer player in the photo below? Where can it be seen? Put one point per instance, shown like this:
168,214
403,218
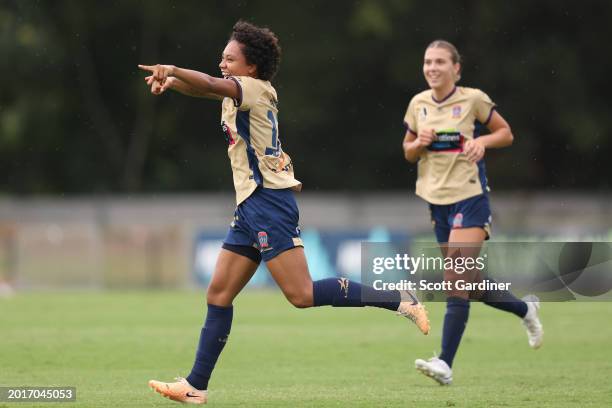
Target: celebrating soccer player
265,225
443,125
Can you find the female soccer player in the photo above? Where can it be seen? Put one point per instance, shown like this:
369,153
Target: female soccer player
265,224
443,125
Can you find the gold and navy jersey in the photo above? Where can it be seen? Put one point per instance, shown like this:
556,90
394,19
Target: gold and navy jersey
445,175
251,129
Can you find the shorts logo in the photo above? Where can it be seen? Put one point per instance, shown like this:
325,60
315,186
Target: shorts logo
262,236
458,221
456,111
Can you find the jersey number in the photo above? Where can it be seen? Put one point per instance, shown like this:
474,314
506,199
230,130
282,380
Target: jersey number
275,149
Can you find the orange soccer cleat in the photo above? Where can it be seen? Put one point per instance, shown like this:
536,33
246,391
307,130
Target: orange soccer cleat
412,309
180,391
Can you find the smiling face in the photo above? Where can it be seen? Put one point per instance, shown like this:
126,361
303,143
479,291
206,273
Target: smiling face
234,63
440,71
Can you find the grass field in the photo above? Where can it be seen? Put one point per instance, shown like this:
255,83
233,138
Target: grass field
109,345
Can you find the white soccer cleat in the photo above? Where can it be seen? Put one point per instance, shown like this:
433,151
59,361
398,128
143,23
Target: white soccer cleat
180,391
412,309
436,369
531,321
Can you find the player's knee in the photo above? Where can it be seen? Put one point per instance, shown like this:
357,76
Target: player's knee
454,292
453,278
300,300
463,294
212,291
217,296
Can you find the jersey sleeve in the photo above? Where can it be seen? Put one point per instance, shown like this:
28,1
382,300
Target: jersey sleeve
250,91
484,107
410,118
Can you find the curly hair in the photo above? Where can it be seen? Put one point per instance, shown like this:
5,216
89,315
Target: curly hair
260,47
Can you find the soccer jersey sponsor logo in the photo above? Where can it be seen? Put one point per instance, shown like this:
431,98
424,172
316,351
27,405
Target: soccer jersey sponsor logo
447,141
458,221
262,237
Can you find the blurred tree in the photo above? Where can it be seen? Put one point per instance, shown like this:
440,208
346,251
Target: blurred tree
76,117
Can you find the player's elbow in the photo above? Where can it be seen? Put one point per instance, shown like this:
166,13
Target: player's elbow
410,158
509,137
407,153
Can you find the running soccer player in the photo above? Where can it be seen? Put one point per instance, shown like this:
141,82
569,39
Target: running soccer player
265,224
443,125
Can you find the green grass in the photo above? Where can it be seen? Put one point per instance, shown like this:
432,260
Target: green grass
109,345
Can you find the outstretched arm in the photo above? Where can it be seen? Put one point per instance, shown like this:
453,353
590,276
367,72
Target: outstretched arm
192,82
179,86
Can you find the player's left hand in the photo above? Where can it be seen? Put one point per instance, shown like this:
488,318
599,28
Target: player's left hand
159,72
474,150
156,87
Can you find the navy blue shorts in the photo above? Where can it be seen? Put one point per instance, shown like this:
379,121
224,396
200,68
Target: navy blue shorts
469,213
267,220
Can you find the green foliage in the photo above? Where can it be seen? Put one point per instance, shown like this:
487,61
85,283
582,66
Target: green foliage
76,117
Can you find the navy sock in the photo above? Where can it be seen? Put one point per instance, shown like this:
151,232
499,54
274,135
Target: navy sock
213,337
457,312
504,300
341,292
